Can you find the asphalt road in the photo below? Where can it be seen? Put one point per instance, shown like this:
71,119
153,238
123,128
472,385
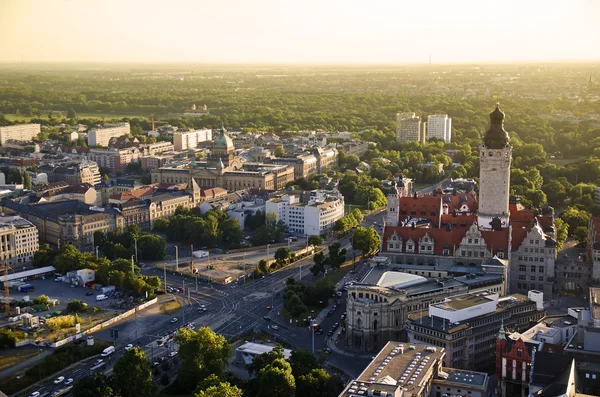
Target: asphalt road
231,310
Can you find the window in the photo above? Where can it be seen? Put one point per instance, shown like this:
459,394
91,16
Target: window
532,278
541,278
463,253
522,268
533,269
587,376
541,269
470,241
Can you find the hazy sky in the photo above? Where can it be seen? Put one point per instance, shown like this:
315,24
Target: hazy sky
300,31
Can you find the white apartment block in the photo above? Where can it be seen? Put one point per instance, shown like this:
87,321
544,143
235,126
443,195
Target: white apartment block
100,136
314,217
439,126
22,132
158,147
186,140
409,128
19,239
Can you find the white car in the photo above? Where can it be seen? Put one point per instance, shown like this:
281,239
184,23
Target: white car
35,394
58,380
128,347
172,354
276,328
69,381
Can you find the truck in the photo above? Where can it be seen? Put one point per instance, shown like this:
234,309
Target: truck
108,351
107,289
26,288
101,297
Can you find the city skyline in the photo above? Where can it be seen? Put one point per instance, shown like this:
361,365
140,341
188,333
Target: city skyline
311,32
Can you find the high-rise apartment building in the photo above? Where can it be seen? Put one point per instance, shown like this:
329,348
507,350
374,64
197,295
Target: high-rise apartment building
100,136
22,132
186,140
439,126
409,128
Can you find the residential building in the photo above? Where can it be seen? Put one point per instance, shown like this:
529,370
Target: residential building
73,173
19,240
327,158
313,217
156,161
100,136
111,187
409,128
83,192
466,326
378,306
165,205
439,126
157,148
304,164
114,159
224,169
64,222
189,140
354,148
134,212
20,132
141,193
415,370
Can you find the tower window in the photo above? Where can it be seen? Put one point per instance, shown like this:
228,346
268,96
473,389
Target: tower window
490,154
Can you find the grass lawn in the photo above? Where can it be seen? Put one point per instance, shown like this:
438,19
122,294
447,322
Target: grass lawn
12,357
170,307
563,162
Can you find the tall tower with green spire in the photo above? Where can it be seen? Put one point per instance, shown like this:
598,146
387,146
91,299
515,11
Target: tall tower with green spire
502,332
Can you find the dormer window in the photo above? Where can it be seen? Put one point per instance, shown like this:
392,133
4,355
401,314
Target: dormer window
426,240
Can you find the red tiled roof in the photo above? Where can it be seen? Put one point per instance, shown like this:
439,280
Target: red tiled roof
459,220
442,238
213,192
429,207
144,191
455,202
496,240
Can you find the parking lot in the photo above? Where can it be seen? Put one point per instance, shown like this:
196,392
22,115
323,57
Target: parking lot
65,293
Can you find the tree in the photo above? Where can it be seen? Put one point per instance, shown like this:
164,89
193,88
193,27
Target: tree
97,385
562,231
366,240
41,300
160,225
152,247
282,254
133,375
279,151
69,258
276,380
203,353
580,234
315,383
264,359
212,386
302,362
71,114
575,218
76,306
231,231
27,180
337,256
315,240
44,256
8,339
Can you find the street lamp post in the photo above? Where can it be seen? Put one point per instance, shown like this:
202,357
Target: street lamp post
165,276
268,247
312,329
136,251
176,258
97,247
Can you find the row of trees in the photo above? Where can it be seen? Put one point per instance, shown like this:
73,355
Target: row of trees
122,272
298,296
118,244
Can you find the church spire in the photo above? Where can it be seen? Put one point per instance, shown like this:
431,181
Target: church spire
502,333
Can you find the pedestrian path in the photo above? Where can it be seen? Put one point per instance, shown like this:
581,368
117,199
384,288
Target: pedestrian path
24,364
335,340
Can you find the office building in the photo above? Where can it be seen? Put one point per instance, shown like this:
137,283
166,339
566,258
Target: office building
409,128
100,136
19,240
73,173
20,132
439,126
415,370
466,326
189,140
315,216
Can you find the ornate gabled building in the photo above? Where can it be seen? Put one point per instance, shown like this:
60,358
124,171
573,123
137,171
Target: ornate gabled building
224,169
458,230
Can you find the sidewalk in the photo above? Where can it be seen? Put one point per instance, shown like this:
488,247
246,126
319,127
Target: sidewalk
334,341
24,364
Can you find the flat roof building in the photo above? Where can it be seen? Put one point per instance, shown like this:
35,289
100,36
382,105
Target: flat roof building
20,132
246,352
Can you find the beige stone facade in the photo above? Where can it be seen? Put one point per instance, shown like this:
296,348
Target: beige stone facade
19,239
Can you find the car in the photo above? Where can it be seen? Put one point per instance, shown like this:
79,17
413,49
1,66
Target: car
343,317
327,350
98,362
69,381
269,308
276,328
128,347
172,354
319,331
58,380
89,293
180,289
173,320
330,332
35,394
156,364
267,318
